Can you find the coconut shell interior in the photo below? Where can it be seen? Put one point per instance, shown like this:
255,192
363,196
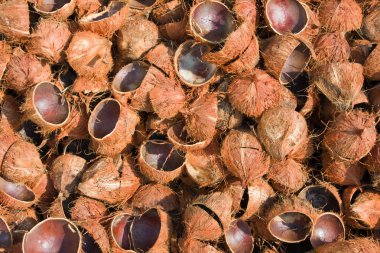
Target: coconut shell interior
121,227
322,198
295,63
52,107
51,5
104,118
328,228
130,77
239,238
5,235
162,155
16,191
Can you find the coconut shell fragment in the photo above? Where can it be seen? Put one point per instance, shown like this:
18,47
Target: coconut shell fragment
14,195
238,237
15,27
371,21
372,66
6,52
328,228
57,9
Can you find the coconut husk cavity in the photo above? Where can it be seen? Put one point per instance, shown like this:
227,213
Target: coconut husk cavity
57,9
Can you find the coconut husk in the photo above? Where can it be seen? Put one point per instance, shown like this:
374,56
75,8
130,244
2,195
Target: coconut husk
330,224
86,7
239,237
19,219
313,26
87,85
162,56
14,20
372,160
372,66
86,210
44,190
6,52
56,9
14,195
76,126
10,112
353,245
59,208
370,27
360,50
246,11
189,245
228,116
331,47
98,233
374,96
311,103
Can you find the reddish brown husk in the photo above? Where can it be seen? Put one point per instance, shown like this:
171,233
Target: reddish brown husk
58,208
10,112
374,96
20,166
238,237
66,172
372,65
90,55
328,228
110,181
353,245
19,219
98,233
243,156
56,9
145,37
360,49
331,47
370,27
7,138
76,126
228,116
361,207
111,127
49,40
351,136
14,20
14,195
156,195
85,7
283,133
25,70
340,15
6,52
86,209
372,160
287,176
189,245
89,85
162,56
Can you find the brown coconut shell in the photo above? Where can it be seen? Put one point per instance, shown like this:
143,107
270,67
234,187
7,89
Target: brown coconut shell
44,190
56,9
111,127
328,228
66,172
372,160
10,112
287,176
25,70
372,66
370,26
189,245
331,47
88,85
49,40
340,15
90,54
15,27
159,161
228,116
19,219
86,210
156,195
145,37
244,156
22,167
6,234
120,232
374,96
14,195
353,245
86,7
76,126
351,137
162,56
361,207
94,236
110,181
314,25
59,208
246,11
6,52
283,133
239,237
360,50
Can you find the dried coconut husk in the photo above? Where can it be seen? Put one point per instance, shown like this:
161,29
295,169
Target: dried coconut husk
111,127
331,47
285,17
59,208
90,54
189,245
110,181
14,20
244,156
328,228
86,7
19,219
351,136
66,172
361,207
353,245
228,116
372,65
46,106
360,50
145,36
340,15
374,96
371,21
283,133
14,195
25,70
88,85
189,66
76,126
10,112
6,237
286,57
287,176
49,40
160,162
246,11
162,56
44,190
143,7
313,27
204,167
239,237
94,236
20,166
53,235
312,100
156,195
290,220
57,9
6,52
86,210
372,160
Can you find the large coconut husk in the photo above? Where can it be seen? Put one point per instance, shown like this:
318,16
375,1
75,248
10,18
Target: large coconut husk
351,136
340,15
44,190
86,7
59,208
331,47
162,56
14,20
314,25
353,245
109,181
6,52
90,54
25,70
86,210
57,9
14,195
10,112
328,228
371,21
49,40
243,156
111,127
372,65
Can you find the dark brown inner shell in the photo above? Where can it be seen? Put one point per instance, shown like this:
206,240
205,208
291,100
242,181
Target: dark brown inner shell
89,244
290,226
121,227
162,155
16,191
113,8
239,238
295,63
51,5
130,77
52,236
50,104
145,230
322,198
286,16
5,235
328,228
104,118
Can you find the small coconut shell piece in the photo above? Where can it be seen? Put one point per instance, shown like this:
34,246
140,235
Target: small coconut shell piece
6,237
57,9
238,237
244,156
351,136
228,116
162,56
88,85
15,27
87,210
49,40
109,181
6,52
361,207
372,65
90,54
328,228
371,21
46,106
25,70
10,112
160,162
156,195
287,176
14,195
340,15
283,132
111,127
53,235
331,47
76,126
353,245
